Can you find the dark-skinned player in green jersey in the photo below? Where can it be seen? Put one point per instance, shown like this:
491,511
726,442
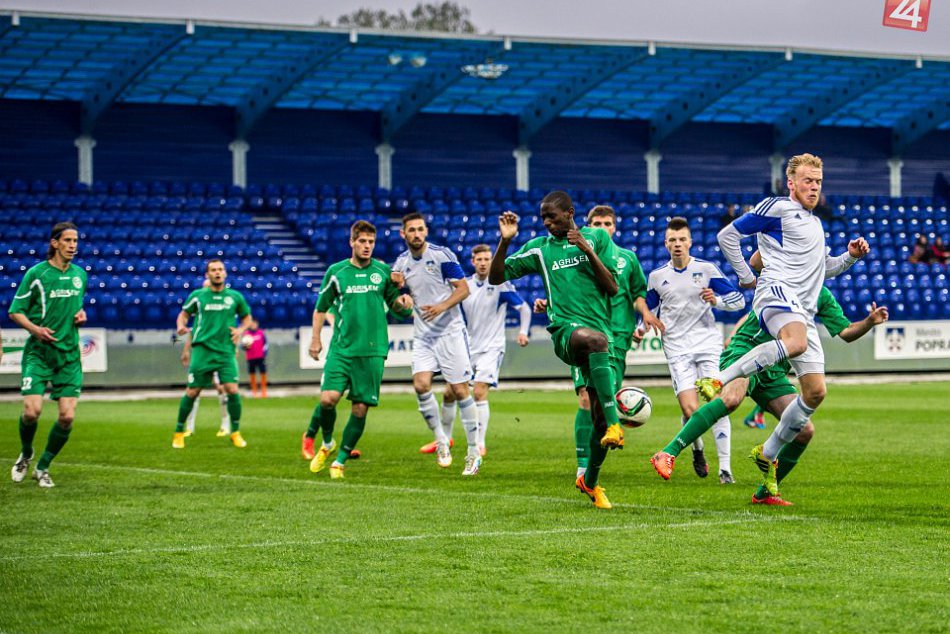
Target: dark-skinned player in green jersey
48,305
213,341
770,389
359,289
579,283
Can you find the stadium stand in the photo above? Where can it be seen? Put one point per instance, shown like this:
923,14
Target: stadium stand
145,244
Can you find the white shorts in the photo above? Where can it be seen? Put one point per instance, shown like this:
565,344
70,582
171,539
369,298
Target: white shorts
447,355
686,368
487,365
777,305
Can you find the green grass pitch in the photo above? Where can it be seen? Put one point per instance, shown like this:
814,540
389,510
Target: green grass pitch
138,537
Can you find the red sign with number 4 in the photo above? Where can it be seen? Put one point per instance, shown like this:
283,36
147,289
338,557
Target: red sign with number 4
907,14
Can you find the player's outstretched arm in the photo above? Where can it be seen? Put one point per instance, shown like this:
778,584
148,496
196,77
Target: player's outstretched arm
837,265
508,226
858,329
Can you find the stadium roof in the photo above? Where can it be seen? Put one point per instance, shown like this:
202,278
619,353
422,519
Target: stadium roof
253,68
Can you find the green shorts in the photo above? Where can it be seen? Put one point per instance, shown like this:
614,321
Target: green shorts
618,362
359,377
44,364
204,363
764,387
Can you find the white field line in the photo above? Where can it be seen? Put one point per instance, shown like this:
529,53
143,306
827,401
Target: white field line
342,486
363,539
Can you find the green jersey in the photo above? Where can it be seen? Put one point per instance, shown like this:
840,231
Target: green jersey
573,294
359,297
50,298
632,284
750,334
214,313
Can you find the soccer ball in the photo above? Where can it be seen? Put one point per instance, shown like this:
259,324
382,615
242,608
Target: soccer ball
247,341
634,406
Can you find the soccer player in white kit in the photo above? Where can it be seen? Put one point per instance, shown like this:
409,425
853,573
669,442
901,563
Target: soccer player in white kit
440,342
795,264
484,311
683,293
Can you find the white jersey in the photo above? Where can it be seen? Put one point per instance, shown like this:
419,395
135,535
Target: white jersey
792,246
484,311
674,295
429,280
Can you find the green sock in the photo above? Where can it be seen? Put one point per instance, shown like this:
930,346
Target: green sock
701,420
787,459
234,411
602,380
351,435
27,432
327,420
583,426
57,438
597,456
185,406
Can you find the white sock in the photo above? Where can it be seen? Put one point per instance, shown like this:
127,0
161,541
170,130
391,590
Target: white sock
190,421
755,360
469,415
793,419
698,443
721,432
429,409
448,417
483,414
580,471
225,417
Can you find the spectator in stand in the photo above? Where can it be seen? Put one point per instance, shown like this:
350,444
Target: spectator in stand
939,251
254,343
922,254
731,213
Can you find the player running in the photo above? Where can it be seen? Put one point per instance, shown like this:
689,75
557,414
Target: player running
630,297
484,311
796,262
359,289
48,304
213,342
684,291
770,389
440,342
577,268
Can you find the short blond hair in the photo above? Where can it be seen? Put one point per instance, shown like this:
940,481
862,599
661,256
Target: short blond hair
800,160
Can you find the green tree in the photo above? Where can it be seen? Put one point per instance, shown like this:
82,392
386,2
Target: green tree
447,17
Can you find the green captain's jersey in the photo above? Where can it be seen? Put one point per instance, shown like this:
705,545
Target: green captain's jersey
750,334
632,284
573,295
359,298
214,313
51,298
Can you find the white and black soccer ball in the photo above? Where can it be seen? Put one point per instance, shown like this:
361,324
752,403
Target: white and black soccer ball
247,341
634,406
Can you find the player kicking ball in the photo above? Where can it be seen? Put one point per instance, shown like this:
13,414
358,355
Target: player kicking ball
484,310
770,389
213,342
359,289
579,286
48,305
684,291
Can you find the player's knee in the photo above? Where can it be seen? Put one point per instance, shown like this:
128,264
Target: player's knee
597,342
421,386
360,410
806,434
795,346
481,392
30,416
814,395
65,421
192,392
460,391
328,400
732,399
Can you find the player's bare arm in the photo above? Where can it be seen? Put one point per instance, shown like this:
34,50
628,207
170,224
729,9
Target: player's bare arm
459,293
398,279
79,318
540,305
40,332
186,353
316,344
858,248
508,226
181,323
403,302
858,329
237,333
605,280
650,321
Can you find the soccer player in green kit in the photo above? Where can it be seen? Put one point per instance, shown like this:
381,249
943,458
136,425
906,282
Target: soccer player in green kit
213,341
631,295
48,305
359,289
577,268
770,389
